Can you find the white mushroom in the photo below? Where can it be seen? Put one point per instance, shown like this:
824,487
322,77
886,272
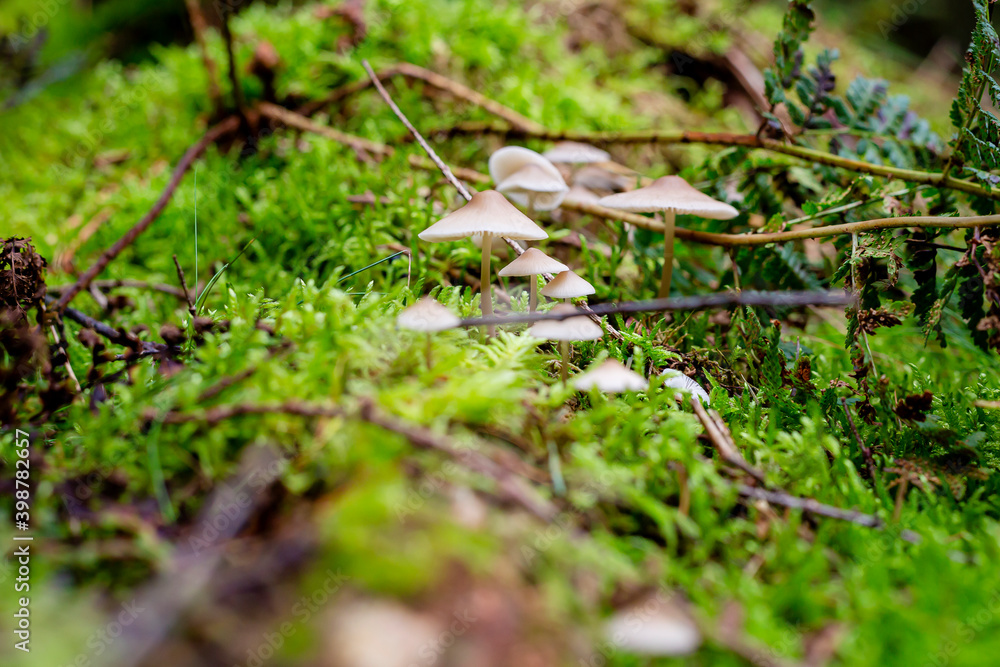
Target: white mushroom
677,380
509,160
427,316
567,285
671,195
531,263
541,190
575,328
611,377
488,214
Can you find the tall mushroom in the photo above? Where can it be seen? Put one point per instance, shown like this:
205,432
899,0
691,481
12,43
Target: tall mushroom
527,178
427,316
531,263
567,285
672,195
564,331
490,215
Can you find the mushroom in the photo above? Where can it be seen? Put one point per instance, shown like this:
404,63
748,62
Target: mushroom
581,195
677,380
611,377
672,195
532,263
541,188
567,285
564,331
573,152
428,316
490,215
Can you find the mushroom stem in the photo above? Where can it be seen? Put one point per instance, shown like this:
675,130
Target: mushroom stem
427,352
485,285
533,294
564,367
668,253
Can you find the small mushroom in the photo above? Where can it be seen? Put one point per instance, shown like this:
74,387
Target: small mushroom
564,331
490,215
538,186
671,195
428,316
677,380
532,263
508,161
611,377
573,152
581,195
567,285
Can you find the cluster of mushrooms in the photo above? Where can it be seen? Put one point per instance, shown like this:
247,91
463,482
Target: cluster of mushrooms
535,182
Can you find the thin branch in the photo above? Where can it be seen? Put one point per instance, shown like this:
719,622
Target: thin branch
234,80
936,179
107,285
865,449
213,134
184,286
199,26
436,80
300,122
820,509
420,140
720,437
717,300
115,335
730,240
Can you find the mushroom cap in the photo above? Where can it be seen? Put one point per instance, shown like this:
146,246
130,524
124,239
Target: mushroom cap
534,185
487,213
567,285
572,328
610,377
670,193
677,380
573,152
595,177
509,159
531,263
427,315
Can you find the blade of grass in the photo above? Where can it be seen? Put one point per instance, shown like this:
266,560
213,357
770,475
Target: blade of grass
218,274
376,263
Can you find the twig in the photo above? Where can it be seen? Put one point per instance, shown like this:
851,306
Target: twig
989,405
716,300
114,335
420,140
187,294
234,80
199,26
436,80
720,437
936,179
731,240
225,127
865,449
107,285
69,367
300,122
857,293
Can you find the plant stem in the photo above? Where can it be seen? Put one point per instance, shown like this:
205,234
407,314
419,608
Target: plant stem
485,286
668,254
564,367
